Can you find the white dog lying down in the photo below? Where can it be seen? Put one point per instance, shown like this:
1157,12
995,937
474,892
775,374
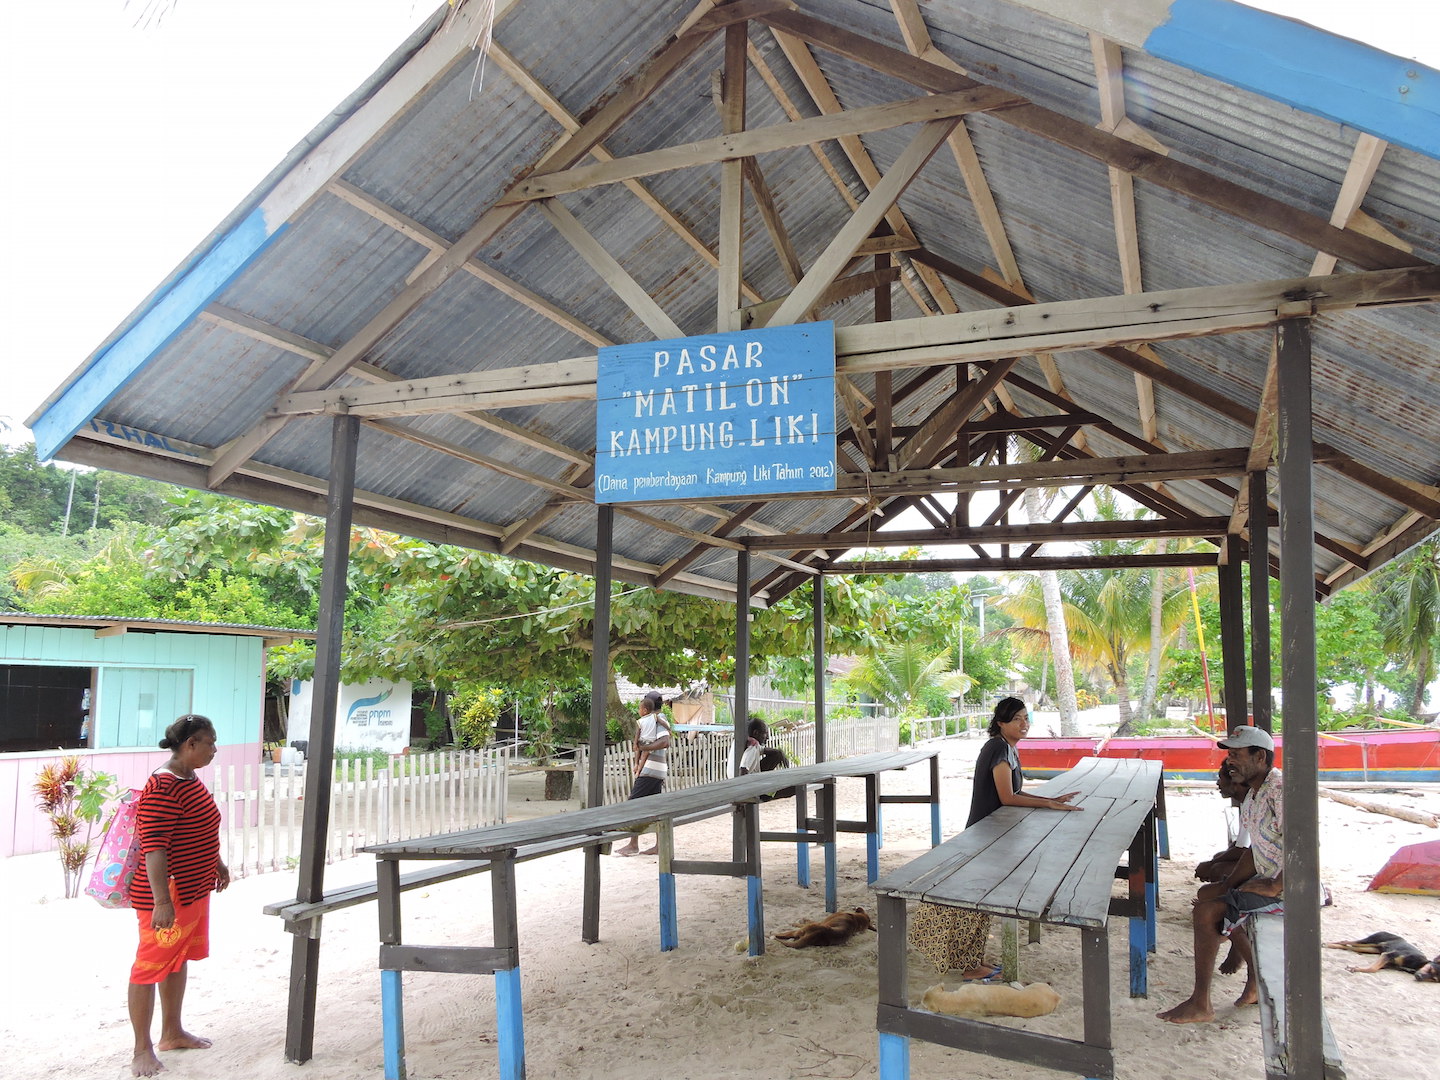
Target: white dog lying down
981,999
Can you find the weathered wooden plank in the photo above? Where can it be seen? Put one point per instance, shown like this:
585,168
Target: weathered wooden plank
450,959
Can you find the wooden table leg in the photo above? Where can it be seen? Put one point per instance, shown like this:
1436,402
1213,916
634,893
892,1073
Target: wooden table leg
935,800
872,828
749,816
1138,862
802,849
509,1018
893,968
669,914
825,806
392,987
1095,980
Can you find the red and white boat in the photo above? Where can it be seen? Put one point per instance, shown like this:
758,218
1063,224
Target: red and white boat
1411,755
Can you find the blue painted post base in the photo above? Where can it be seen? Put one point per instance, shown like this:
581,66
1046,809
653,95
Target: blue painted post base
894,1057
669,914
511,1024
1152,903
832,900
392,1018
802,865
1139,962
755,902
872,857
935,824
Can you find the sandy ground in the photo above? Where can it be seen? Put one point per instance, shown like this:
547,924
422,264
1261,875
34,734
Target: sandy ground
621,1008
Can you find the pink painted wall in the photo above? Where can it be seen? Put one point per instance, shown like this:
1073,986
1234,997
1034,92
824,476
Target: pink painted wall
27,830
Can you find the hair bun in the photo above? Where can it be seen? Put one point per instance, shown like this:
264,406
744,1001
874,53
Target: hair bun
166,744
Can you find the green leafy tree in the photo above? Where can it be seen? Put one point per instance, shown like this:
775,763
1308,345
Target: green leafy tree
903,674
1408,591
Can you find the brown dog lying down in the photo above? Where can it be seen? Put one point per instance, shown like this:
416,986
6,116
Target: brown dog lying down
834,929
998,999
1394,951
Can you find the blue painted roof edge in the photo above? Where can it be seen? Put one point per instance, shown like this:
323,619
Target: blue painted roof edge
106,373
1322,73
239,223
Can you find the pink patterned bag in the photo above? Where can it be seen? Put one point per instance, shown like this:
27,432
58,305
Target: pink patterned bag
118,860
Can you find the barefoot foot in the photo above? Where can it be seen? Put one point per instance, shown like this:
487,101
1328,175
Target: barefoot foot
1188,1012
145,1063
650,851
183,1041
1248,996
1232,962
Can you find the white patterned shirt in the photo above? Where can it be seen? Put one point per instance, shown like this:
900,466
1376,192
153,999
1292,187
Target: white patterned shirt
1262,815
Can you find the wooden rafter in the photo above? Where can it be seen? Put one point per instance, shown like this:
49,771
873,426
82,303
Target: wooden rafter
1188,180
1043,532
629,96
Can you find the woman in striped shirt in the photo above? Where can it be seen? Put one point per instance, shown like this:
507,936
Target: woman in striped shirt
179,830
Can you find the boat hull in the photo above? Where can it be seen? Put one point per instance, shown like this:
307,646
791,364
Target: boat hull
1389,756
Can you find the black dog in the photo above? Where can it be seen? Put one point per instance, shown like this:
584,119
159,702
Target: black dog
1394,951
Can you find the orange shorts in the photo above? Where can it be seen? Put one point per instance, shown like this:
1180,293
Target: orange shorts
163,952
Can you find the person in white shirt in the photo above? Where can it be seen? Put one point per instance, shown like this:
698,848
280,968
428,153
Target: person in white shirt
652,741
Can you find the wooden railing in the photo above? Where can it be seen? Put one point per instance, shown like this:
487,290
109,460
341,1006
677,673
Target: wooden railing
416,795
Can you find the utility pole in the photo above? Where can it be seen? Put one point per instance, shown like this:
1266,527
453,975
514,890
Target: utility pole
69,501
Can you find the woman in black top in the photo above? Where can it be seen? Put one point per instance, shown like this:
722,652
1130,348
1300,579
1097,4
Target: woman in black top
951,937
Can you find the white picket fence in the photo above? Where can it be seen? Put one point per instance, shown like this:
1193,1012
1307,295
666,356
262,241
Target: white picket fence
708,756
924,729
417,795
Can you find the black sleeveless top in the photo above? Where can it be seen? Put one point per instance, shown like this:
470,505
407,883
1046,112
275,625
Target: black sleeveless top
985,799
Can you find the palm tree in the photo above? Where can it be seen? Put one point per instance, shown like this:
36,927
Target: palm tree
1409,595
900,673
1058,636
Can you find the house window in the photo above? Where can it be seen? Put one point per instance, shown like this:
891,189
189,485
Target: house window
136,705
44,707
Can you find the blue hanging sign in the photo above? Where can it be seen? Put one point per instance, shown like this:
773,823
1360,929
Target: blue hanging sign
720,416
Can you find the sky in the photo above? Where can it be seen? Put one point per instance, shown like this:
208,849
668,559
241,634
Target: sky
132,139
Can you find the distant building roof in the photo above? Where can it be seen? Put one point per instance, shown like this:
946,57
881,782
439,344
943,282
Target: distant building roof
110,625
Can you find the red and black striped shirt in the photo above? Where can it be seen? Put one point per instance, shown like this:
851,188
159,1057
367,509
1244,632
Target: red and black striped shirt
179,816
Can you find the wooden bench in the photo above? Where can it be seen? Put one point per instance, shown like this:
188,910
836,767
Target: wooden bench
1267,935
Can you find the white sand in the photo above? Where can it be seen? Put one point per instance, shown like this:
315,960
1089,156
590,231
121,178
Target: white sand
621,1008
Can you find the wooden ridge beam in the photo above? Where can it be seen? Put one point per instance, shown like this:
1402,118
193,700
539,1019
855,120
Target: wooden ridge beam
1043,532
1034,562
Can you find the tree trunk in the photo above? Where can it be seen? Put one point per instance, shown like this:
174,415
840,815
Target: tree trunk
1127,716
1059,635
1152,666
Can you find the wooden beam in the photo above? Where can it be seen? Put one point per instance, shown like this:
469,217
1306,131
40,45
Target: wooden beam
770,215
917,40
640,302
437,244
728,147
940,428
1034,562
1041,532
628,96
1188,180
823,95
732,184
838,290
551,104
872,210
1364,161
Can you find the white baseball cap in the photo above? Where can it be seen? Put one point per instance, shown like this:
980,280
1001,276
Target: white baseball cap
1247,735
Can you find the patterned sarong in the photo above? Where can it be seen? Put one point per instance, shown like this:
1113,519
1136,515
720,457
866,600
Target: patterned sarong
163,952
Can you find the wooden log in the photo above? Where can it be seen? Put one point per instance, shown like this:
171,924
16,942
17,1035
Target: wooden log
1419,817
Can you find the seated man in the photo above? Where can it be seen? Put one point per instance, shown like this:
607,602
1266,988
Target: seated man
1253,886
1219,865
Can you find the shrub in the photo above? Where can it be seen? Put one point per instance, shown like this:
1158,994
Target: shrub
73,799
474,710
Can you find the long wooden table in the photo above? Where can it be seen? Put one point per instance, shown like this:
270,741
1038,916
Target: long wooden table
501,846
1046,866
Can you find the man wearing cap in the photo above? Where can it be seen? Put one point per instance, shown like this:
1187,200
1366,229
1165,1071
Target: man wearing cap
1254,886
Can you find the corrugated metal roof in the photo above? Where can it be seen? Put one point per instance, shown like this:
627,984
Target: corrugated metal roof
458,142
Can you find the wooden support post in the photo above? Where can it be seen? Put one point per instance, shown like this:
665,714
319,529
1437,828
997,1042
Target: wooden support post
1304,1016
392,987
1232,632
872,828
802,849
1138,862
894,978
1259,600
817,607
935,800
599,684
509,1018
825,805
669,913
315,827
749,813
1010,950
732,182
742,679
